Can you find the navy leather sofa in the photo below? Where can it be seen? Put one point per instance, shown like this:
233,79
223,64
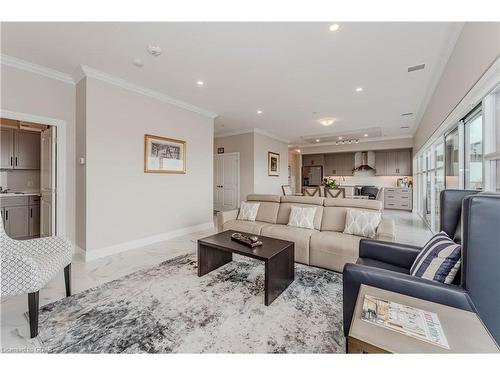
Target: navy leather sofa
470,219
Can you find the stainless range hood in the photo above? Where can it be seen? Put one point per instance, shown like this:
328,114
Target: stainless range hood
362,165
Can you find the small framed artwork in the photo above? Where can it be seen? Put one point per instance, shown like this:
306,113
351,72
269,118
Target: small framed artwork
273,164
164,155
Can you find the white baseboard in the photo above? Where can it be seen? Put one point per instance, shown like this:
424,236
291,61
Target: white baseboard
125,246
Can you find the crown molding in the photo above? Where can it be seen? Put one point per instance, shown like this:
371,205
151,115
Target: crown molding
124,84
230,133
378,139
35,68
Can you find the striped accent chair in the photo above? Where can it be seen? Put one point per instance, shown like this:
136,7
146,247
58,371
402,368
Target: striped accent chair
467,217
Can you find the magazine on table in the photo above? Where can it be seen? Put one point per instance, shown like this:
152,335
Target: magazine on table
410,321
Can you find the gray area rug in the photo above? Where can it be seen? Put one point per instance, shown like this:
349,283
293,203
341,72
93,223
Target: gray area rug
169,309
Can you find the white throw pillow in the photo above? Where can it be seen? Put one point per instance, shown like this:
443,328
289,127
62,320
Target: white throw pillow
248,211
302,217
362,222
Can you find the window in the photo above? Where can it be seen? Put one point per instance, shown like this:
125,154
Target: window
451,159
474,151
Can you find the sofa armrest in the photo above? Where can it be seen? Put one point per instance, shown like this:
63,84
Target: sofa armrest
386,230
398,254
224,216
354,275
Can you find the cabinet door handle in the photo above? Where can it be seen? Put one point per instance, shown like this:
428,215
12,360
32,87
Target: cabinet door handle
16,161
31,212
6,215
11,160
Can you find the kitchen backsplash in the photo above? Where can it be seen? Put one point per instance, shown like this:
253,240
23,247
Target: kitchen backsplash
368,179
20,180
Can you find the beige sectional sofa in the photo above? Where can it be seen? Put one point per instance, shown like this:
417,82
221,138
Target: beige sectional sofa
324,246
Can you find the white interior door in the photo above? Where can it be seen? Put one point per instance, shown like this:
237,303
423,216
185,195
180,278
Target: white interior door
48,183
227,181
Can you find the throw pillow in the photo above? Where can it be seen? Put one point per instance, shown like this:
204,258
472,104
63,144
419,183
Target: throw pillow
439,259
302,217
362,223
248,211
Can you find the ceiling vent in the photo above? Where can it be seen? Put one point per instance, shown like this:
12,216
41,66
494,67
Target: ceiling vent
416,67
404,127
407,114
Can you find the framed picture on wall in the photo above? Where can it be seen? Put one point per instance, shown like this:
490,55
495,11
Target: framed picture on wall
164,155
273,164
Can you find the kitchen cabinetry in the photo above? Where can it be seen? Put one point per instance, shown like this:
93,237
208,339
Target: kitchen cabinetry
313,159
398,198
339,164
393,163
20,149
21,216
6,148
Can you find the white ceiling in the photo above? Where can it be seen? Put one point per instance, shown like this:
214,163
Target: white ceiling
295,73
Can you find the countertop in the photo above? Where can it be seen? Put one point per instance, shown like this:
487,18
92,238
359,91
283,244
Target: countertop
20,194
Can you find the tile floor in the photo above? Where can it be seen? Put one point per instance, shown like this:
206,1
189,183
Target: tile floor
14,326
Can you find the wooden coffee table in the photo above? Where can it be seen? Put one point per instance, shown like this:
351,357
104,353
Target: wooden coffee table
278,256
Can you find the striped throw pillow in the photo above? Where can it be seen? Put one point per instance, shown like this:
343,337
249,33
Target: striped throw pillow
439,260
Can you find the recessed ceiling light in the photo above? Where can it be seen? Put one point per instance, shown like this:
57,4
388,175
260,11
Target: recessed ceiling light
200,83
334,27
259,112
317,140
138,63
154,50
365,135
341,138
327,121
359,89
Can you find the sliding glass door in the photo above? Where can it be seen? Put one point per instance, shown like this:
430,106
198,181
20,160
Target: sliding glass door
474,150
452,159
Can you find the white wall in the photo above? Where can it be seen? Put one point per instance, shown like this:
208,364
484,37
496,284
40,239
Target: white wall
124,204
263,183
253,148
33,94
477,47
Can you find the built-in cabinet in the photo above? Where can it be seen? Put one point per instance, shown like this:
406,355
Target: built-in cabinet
393,163
21,216
340,164
19,149
313,159
398,198
387,163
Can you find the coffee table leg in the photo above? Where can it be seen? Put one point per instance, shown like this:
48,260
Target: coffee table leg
210,259
280,273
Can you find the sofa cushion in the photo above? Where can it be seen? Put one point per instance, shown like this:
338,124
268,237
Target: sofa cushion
248,211
300,236
369,204
286,208
333,250
253,227
268,208
302,217
362,223
335,211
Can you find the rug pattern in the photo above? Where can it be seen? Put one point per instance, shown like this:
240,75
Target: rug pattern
169,309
